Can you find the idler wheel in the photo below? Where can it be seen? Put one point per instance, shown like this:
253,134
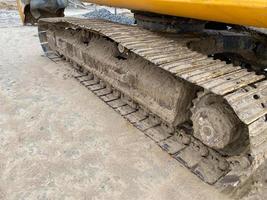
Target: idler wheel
214,122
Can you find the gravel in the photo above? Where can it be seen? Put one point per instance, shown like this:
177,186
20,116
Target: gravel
76,4
9,18
107,15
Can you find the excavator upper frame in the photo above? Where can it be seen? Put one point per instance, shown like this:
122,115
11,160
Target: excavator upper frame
246,12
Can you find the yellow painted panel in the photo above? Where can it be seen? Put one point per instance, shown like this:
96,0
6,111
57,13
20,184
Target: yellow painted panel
21,7
242,12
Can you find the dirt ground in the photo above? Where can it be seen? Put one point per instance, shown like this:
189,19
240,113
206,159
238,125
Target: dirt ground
8,4
59,141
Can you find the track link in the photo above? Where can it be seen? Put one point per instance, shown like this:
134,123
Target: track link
244,91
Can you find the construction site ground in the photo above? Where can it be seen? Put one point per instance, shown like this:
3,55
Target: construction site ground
59,141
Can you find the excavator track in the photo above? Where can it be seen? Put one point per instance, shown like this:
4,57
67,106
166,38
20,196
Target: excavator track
244,92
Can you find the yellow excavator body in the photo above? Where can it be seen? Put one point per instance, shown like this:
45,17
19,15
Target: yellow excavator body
21,7
245,12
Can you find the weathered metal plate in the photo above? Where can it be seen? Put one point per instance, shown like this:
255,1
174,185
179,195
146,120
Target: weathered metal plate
102,92
146,124
109,97
172,145
84,78
208,170
189,156
157,133
95,87
125,110
136,116
116,103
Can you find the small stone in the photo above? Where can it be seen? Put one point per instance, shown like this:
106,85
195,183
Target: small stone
204,151
223,165
186,139
107,15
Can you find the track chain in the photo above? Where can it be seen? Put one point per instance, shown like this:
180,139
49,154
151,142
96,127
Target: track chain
244,91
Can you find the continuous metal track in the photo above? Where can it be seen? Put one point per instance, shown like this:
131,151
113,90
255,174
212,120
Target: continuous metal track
244,91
